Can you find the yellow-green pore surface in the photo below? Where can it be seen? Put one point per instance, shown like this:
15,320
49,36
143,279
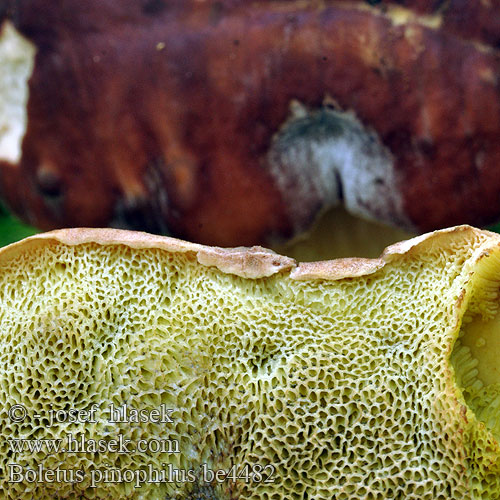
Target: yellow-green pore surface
331,389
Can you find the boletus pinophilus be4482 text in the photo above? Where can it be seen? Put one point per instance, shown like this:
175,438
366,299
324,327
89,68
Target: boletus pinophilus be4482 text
353,379
237,122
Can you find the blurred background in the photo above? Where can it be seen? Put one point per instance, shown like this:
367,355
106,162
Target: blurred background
318,129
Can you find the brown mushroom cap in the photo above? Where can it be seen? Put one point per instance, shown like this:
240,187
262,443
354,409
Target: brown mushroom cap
236,122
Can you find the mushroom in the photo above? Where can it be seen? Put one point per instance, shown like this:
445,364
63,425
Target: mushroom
347,379
231,122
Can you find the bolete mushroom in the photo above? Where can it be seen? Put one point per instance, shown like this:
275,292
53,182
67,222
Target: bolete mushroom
349,379
238,122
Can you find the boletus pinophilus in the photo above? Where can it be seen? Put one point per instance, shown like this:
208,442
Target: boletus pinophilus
236,122
348,379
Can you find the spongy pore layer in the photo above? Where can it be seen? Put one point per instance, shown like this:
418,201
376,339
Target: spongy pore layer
311,388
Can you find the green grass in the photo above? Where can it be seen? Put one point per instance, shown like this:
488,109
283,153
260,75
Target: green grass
495,228
12,229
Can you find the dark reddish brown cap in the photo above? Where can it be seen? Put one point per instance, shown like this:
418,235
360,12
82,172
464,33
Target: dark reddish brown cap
236,123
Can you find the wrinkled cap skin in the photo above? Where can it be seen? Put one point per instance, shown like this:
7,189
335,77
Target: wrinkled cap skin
352,379
231,122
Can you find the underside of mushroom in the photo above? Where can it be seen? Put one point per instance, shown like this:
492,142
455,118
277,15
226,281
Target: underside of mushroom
350,379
